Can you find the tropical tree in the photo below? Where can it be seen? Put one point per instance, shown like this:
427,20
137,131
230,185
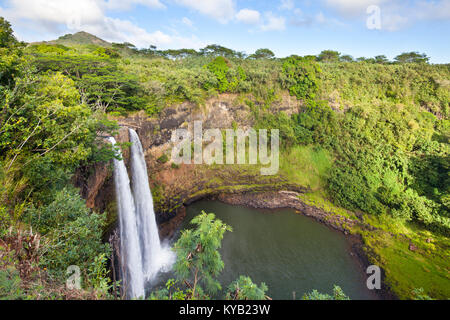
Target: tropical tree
262,54
382,59
338,294
412,57
11,56
48,120
215,50
179,54
244,289
198,259
328,56
346,58
7,38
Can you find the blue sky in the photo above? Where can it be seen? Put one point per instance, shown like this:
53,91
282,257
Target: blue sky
356,27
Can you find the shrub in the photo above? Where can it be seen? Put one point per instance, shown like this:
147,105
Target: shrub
227,78
163,159
175,166
74,233
244,289
338,294
300,76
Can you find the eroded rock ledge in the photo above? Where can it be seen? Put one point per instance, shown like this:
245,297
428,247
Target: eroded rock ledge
288,200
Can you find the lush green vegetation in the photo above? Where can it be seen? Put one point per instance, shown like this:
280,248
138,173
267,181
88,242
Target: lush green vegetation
372,137
338,294
46,133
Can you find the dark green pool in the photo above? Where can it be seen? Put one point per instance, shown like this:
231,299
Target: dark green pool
287,251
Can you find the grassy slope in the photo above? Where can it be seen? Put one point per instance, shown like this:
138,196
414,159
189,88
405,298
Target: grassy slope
426,268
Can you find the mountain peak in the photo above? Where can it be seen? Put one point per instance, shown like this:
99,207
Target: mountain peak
80,38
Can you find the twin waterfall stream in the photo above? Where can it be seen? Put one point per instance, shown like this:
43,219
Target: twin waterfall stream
142,254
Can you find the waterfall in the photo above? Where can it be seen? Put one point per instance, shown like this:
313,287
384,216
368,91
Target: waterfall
133,277
154,257
141,248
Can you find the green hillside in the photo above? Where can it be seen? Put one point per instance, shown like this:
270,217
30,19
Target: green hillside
79,38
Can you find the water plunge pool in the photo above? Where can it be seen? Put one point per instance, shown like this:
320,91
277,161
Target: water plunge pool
288,251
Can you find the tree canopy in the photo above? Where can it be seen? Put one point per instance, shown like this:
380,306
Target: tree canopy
412,57
329,56
262,54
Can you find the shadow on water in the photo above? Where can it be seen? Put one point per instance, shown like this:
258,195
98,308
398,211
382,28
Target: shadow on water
288,251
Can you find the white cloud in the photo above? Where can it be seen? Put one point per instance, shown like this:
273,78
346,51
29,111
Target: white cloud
437,10
127,4
221,10
320,18
54,11
307,20
395,14
352,8
248,16
287,5
299,19
121,30
273,23
298,12
47,19
393,22
187,22
118,30
269,22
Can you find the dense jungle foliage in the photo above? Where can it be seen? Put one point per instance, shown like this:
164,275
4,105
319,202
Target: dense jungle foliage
379,131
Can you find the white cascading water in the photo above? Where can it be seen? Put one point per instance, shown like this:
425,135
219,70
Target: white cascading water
154,256
142,252
129,238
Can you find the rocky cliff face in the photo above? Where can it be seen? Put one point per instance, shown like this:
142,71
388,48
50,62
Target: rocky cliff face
222,112
96,183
